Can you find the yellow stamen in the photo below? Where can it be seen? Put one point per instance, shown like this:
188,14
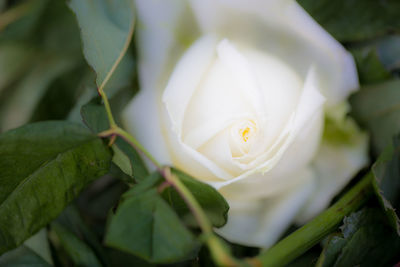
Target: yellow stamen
245,134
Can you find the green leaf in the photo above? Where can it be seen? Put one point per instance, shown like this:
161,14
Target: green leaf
15,57
106,31
39,243
22,257
80,253
331,251
120,258
94,116
135,162
122,160
25,19
152,181
370,67
355,20
377,108
125,156
387,182
44,166
146,226
389,52
59,97
214,205
366,240
20,105
72,221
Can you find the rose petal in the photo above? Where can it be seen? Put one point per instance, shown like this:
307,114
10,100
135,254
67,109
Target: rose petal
262,222
145,127
310,103
158,25
186,78
334,165
299,154
191,161
299,41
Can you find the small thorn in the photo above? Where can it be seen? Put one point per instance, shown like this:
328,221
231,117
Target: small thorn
112,140
163,186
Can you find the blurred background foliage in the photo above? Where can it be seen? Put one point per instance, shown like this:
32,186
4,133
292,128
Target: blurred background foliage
44,76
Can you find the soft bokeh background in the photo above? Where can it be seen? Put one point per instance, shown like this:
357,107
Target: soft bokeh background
44,76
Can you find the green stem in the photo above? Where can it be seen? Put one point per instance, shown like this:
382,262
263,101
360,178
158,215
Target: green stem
131,140
115,130
218,251
108,108
313,232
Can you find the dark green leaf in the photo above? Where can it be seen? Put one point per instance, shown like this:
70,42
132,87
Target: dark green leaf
307,259
369,66
19,107
139,170
389,52
22,257
80,253
15,57
120,258
121,160
357,19
366,240
60,96
152,181
125,156
44,166
106,30
72,221
387,182
146,226
372,245
377,108
94,115
331,251
99,198
24,24
209,199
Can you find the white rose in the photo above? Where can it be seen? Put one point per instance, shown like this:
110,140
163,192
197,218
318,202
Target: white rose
235,93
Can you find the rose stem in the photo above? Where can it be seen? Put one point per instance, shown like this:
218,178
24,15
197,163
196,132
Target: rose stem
100,89
136,145
313,232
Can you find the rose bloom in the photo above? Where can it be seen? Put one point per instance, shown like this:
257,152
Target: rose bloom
248,96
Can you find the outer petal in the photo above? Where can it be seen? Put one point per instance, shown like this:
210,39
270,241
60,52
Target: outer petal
288,33
334,165
261,222
165,28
